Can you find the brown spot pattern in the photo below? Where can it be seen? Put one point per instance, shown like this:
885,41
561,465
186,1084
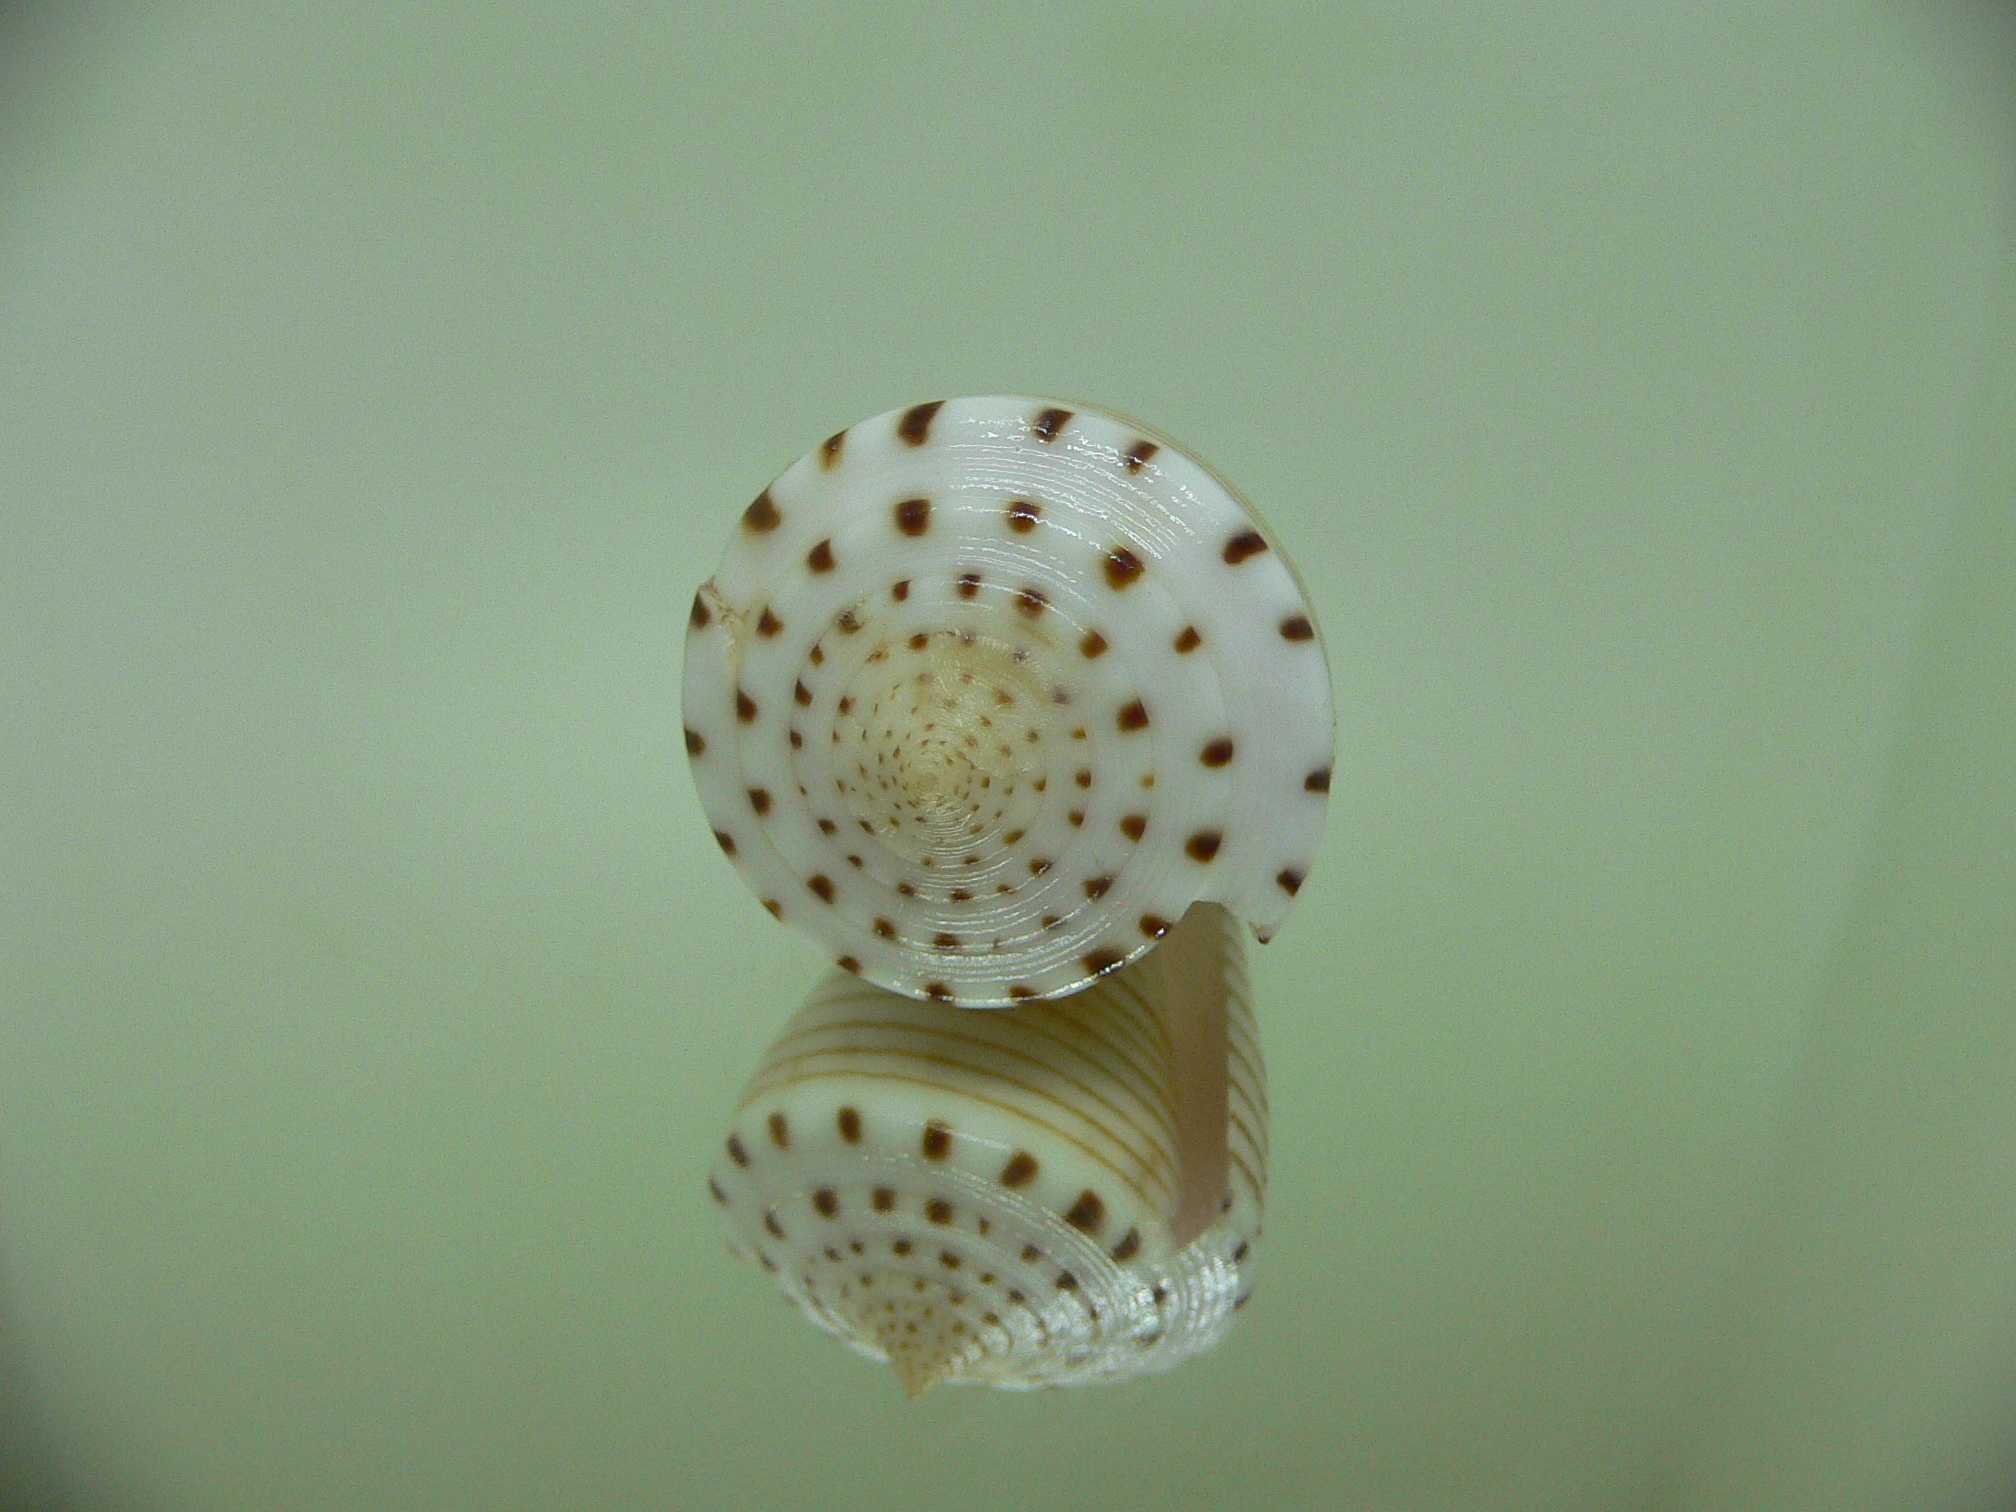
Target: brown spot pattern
1122,567
1217,753
1203,845
780,1131
1050,421
849,1120
1087,1213
1137,455
696,743
821,884
759,800
1133,717
1134,826
915,426
1022,516
820,557
1019,1171
1188,641
1243,545
1290,880
761,515
913,516
1297,628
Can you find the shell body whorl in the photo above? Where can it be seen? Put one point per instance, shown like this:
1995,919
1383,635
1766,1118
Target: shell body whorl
986,693
1029,1198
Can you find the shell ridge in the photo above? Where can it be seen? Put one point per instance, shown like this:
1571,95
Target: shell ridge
1035,1041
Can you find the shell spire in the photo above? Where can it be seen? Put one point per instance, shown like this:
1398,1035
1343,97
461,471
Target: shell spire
985,693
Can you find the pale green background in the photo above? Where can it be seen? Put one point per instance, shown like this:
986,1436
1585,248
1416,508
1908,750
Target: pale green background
376,382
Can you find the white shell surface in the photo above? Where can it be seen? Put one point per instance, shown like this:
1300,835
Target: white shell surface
992,1199
986,692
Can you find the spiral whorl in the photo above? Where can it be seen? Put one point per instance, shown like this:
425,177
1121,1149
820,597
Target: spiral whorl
987,692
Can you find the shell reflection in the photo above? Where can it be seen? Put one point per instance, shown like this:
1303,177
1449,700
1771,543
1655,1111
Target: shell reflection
1061,1192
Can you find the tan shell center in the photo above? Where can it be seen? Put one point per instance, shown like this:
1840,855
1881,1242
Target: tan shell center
941,744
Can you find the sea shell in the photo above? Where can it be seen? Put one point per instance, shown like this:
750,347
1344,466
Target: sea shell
1057,1193
987,692
989,697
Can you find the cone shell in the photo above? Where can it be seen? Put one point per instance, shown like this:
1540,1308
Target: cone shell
987,692
1058,1193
